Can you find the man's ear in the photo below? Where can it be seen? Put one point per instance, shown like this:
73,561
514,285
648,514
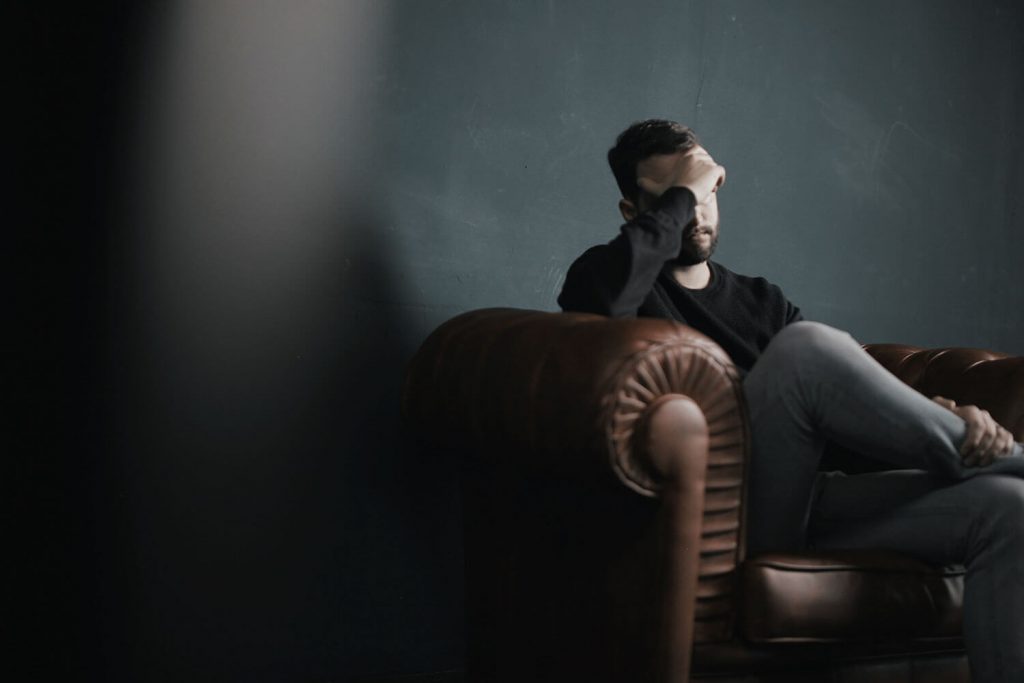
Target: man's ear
628,209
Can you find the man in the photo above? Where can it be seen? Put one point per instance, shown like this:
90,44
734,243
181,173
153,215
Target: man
806,383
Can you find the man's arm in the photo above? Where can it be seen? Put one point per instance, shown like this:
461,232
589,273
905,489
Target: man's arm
613,279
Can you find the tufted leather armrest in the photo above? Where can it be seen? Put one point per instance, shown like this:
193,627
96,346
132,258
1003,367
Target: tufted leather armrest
567,391
988,379
649,404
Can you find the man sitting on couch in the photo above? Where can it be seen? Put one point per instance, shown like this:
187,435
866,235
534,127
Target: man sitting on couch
957,496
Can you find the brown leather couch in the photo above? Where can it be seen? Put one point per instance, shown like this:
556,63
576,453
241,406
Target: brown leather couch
603,470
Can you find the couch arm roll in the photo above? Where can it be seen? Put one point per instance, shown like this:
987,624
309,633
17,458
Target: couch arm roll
568,391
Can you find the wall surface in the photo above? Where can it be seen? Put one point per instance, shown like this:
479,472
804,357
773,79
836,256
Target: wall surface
247,216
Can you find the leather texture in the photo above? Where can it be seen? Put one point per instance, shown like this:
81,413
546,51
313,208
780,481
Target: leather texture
987,379
558,391
820,597
604,474
567,392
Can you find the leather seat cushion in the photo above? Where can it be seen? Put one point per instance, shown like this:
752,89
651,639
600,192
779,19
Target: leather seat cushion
853,596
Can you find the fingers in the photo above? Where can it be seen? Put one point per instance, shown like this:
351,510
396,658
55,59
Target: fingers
1002,442
698,171
1007,443
693,169
944,402
985,453
700,157
698,152
975,434
697,157
985,438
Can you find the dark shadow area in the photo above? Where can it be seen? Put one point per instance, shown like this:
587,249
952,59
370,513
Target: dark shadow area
207,486
276,526
69,69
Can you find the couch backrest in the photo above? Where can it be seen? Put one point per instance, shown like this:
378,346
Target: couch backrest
988,379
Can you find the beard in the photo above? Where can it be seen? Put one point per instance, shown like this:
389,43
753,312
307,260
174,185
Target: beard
691,252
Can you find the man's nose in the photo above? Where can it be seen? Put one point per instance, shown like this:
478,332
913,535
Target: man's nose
701,214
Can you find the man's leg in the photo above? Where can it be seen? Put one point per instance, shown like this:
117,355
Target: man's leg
978,522
813,383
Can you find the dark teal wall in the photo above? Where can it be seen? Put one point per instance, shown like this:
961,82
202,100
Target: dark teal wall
249,215
874,150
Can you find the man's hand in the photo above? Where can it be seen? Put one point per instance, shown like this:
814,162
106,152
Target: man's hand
986,439
693,169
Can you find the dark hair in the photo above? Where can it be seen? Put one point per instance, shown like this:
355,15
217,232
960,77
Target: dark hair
641,140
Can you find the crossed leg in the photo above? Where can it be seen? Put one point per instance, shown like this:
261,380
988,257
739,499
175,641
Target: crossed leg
814,383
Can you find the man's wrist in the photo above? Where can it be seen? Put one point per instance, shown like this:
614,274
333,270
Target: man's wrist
672,211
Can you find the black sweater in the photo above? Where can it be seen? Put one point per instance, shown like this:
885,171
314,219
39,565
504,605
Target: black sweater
632,276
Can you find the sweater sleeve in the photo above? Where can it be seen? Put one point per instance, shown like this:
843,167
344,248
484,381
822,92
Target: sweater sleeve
614,279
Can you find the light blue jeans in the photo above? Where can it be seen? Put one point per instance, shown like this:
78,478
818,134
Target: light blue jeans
814,383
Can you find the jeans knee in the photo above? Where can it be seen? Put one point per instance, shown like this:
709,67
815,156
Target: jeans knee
803,341
809,333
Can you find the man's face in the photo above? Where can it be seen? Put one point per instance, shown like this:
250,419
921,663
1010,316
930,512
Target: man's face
700,236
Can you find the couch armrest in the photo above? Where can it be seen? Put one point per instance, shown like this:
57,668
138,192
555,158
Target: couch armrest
988,379
570,391
626,583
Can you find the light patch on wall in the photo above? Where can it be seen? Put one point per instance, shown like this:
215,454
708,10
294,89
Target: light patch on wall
256,120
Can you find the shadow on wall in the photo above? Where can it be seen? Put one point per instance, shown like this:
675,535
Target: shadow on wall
266,519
